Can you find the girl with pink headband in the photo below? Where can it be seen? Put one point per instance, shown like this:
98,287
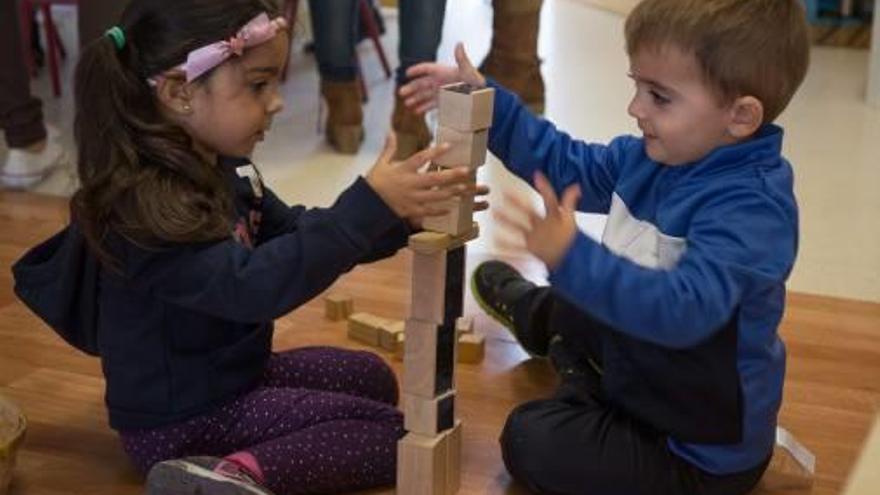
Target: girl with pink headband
178,259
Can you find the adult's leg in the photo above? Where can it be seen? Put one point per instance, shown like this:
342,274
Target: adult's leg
421,27
304,441
358,373
334,23
21,115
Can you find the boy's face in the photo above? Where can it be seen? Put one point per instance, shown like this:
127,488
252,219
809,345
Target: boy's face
234,108
681,117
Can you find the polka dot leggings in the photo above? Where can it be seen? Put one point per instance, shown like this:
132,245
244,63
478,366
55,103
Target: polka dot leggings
322,421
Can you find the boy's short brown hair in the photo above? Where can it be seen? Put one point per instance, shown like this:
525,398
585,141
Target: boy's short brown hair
757,48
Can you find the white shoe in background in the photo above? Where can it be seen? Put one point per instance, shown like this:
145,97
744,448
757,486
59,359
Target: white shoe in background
25,169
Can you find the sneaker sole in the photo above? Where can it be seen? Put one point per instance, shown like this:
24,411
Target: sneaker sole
183,478
508,324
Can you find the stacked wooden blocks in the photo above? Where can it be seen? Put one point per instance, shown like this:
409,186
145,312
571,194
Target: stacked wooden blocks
429,456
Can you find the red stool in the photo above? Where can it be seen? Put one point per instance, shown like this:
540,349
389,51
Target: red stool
54,46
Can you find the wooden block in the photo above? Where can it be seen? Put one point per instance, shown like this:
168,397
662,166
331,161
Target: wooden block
428,416
428,286
338,306
432,242
792,466
429,359
458,220
471,348
364,328
422,464
468,148
453,301
389,335
453,464
466,108
400,347
464,324
13,426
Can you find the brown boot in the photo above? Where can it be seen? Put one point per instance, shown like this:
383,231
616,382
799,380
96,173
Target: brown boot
513,58
412,131
345,117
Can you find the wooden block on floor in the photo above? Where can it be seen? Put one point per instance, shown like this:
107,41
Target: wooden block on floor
389,335
454,441
428,416
429,359
792,467
458,220
365,327
464,324
338,306
471,348
432,242
400,347
466,108
422,465
468,148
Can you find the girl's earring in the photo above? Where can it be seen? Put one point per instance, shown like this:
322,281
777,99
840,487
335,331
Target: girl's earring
186,108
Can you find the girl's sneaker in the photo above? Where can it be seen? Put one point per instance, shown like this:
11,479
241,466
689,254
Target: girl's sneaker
202,475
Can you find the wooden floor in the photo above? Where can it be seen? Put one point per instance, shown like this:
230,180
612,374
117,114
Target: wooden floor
832,388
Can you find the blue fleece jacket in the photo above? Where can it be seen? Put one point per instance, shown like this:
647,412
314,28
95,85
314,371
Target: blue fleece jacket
692,266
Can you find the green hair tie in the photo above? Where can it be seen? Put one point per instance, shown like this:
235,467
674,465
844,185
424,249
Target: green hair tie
117,35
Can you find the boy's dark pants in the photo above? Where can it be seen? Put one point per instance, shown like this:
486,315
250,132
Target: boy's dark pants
578,443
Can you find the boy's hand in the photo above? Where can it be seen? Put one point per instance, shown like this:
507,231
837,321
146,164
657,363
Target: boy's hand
420,93
550,236
410,193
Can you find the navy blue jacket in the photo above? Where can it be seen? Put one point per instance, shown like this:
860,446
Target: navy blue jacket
185,328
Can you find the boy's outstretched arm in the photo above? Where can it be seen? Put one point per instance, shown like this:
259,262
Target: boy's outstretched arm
743,242
525,143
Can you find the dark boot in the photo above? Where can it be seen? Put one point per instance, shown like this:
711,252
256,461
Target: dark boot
412,131
513,57
345,130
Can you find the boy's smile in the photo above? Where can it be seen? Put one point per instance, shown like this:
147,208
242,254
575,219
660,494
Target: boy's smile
682,118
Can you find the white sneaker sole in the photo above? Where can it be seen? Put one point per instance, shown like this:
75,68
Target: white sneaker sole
184,478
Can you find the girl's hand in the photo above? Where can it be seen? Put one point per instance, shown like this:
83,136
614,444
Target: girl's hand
420,93
479,191
410,194
548,237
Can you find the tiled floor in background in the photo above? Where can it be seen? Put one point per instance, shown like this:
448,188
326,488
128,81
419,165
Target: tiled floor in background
833,138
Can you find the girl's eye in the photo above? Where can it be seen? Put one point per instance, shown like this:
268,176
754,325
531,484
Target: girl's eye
259,86
658,98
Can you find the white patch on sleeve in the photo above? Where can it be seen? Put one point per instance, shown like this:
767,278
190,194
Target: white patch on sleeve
639,241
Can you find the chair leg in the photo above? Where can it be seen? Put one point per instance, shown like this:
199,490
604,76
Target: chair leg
52,43
26,17
373,32
291,8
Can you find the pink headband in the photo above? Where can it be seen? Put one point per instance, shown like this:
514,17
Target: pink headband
259,30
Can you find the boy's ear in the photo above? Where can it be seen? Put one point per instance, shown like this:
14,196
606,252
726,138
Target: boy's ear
747,115
174,94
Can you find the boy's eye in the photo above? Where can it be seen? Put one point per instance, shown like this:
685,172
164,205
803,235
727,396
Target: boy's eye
659,98
259,86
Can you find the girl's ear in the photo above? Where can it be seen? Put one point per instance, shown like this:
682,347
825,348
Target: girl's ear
175,94
747,114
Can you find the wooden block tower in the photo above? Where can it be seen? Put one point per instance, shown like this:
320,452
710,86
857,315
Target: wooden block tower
429,456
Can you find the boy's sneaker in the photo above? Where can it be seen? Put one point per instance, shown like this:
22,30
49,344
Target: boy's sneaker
202,475
498,289
25,169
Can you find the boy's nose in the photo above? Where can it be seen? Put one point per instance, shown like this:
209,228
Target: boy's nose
635,110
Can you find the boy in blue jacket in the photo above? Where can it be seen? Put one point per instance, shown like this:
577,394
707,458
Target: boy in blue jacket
665,332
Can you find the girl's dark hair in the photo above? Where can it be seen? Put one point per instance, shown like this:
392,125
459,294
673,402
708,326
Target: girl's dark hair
140,176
